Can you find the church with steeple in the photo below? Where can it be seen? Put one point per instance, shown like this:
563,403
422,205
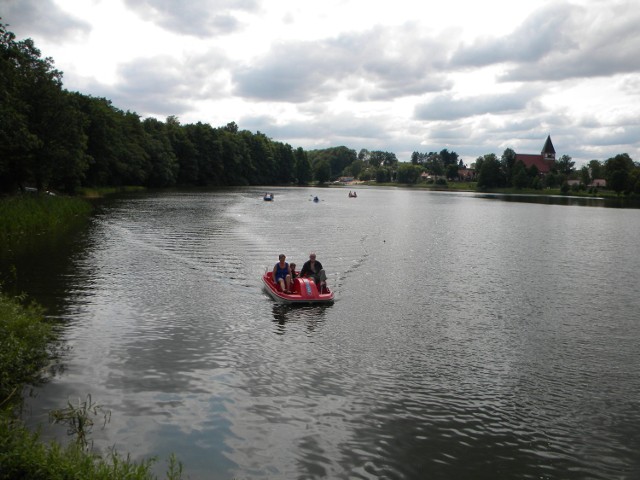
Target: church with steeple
544,161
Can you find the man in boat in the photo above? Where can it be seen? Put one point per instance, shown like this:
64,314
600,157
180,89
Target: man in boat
312,268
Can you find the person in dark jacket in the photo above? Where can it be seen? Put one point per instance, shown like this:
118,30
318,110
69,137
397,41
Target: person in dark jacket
312,268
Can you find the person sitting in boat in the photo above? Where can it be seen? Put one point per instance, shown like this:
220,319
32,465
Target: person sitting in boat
282,274
312,268
292,268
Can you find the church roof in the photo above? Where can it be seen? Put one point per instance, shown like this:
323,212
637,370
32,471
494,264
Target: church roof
543,166
548,146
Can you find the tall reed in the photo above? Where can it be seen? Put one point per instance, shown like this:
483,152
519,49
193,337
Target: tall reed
23,218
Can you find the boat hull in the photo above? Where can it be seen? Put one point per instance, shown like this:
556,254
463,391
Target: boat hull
303,291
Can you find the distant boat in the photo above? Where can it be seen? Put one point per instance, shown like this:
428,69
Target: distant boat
353,194
268,197
316,199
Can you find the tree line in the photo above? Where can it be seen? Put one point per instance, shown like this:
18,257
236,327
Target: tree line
51,138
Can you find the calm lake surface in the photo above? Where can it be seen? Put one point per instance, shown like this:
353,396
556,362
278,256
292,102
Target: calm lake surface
471,337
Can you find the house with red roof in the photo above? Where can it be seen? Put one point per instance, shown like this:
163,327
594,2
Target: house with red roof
544,161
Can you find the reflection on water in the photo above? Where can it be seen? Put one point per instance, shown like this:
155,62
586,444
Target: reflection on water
470,338
312,316
619,202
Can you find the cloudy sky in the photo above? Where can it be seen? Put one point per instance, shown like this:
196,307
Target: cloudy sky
399,76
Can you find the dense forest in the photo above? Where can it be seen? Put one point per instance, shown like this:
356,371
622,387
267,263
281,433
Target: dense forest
53,139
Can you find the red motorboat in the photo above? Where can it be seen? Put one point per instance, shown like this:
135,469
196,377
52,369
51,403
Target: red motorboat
303,290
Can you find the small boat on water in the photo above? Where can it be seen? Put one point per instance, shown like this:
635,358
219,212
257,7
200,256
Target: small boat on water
303,290
353,194
316,199
268,197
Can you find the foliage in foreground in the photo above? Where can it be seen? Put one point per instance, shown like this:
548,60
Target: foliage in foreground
25,348
24,455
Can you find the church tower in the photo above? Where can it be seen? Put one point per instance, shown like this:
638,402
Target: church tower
548,152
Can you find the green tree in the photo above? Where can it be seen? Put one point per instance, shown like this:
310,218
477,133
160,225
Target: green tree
634,180
448,158
364,156
507,162
596,169
490,174
184,151
383,175
585,177
304,173
285,163
163,161
433,164
234,154
520,177
379,158
617,170
322,171
452,171
261,169
354,169
133,159
408,173
16,140
564,165
41,132
208,147
338,158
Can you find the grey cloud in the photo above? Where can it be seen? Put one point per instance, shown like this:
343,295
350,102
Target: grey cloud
627,134
41,17
331,127
543,32
158,86
199,18
562,41
364,65
605,47
446,107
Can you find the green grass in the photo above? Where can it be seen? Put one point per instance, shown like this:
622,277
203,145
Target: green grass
24,455
26,217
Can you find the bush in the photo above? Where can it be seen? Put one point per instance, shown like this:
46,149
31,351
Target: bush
24,346
23,455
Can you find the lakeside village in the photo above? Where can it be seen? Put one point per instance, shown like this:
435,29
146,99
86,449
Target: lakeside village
519,170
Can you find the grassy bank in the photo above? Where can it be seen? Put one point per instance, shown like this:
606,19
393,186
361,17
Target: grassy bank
27,217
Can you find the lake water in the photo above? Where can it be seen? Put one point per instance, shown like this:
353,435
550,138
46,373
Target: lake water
471,337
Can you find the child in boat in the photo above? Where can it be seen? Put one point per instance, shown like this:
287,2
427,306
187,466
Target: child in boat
294,274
